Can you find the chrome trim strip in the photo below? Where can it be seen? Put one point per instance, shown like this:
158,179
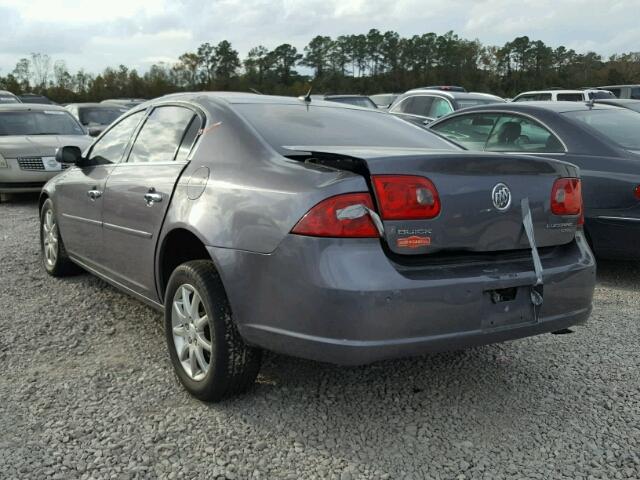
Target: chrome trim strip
82,219
622,219
130,231
117,284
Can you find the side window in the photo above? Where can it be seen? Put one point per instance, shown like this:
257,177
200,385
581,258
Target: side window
635,93
525,98
570,97
513,133
161,135
471,131
439,108
545,97
189,139
616,91
111,147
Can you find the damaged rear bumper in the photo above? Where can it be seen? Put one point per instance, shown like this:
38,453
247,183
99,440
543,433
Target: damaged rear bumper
346,302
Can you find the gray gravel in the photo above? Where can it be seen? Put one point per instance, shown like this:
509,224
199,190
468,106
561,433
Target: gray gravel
87,391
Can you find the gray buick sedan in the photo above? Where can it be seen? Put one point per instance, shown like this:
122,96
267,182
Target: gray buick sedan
317,230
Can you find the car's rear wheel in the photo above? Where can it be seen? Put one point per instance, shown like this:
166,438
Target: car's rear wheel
209,356
54,256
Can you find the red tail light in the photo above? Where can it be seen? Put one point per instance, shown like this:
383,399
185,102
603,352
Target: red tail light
636,192
324,220
406,197
566,197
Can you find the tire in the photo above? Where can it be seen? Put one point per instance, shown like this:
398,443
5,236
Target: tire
54,256
230,366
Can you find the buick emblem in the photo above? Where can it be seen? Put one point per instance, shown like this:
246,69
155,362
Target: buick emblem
501,196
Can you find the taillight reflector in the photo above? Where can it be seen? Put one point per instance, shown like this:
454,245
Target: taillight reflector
406,197
636,192
325,219
566,197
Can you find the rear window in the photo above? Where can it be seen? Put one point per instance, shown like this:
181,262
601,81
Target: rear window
52,122
601,94
635,93
288,125
570,97
358,102
8,99
619,125
99,116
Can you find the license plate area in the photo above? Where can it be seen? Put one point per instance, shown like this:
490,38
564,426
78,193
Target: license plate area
508,307
51,164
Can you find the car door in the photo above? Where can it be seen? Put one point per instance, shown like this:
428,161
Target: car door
79,193
138,192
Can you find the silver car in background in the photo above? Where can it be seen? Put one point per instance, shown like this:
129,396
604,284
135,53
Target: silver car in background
8,97
95,117
29,138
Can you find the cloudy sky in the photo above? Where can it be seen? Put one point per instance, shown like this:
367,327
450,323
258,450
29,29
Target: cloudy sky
98,33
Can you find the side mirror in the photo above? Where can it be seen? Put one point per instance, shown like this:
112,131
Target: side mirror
94,132
69,154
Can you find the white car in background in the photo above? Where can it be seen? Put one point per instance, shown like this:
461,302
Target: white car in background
558,95
8,97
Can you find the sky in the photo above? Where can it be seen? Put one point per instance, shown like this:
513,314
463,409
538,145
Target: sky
137,33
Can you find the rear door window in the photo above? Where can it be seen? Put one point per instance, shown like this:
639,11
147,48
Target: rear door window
161,135
513,133
471,131
635,93
418,105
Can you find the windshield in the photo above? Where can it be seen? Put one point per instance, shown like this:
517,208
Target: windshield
299,125
46,122
99,116
472,102
619,125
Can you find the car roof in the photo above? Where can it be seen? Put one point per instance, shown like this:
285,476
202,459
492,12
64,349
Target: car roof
347,95
557,107
617,101
36,107
92,105
451,94
624,85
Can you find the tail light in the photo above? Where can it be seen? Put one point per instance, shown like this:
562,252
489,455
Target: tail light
636,192
566,197
332,218
406,197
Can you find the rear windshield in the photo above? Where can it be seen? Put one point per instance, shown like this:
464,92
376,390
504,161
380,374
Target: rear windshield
53,122
357,101
601,94
619,125
472,102
99,116
282,125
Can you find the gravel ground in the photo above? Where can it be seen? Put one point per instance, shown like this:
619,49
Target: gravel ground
87,391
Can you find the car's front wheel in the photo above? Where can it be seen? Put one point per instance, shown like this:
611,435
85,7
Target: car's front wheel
208,354
54,256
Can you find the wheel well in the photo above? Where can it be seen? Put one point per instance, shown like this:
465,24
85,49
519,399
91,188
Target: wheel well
43,198
180,246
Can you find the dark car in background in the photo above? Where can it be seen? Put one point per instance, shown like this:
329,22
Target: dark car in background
604,141
29,138
623,103
124,102
35,98
624,91
355,100
95,117
8,97
318,230
423,105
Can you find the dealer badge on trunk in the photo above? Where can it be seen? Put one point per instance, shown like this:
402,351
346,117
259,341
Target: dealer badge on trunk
501,196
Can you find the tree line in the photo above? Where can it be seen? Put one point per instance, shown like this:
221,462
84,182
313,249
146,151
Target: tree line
369,63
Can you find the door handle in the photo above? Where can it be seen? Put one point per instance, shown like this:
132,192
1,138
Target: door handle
152,197
94,194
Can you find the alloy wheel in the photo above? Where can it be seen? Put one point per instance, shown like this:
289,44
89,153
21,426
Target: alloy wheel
191,332
50,238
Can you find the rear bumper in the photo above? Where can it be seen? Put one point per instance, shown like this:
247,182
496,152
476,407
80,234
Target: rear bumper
615,237
345,302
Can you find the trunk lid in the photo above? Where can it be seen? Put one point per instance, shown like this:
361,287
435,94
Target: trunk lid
469,220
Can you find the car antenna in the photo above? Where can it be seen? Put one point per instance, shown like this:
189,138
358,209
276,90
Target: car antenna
256,91
306,98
